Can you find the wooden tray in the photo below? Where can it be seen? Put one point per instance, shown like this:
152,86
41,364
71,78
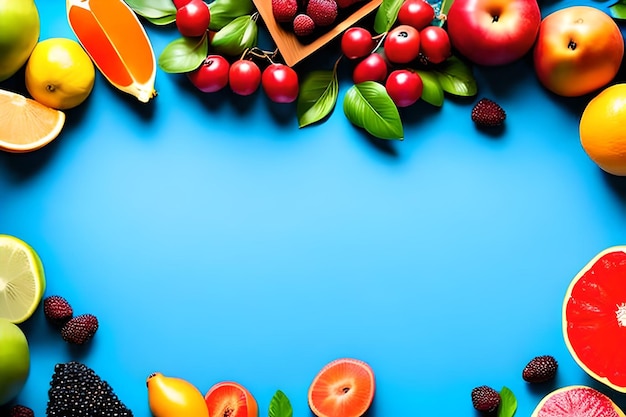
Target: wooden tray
290,47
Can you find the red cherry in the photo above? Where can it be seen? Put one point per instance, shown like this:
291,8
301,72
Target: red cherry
416,13
435,44
212,75
180,3
244,77
371,68
193,18
280,83
404,87
402,44
357,42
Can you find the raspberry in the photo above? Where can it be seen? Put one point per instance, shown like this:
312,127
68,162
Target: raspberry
485,398
540,369
284,10
57,309
323,12
488,113
80,329
77,391
303,25
21,411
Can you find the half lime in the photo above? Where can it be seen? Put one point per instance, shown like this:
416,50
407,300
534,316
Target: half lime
22,280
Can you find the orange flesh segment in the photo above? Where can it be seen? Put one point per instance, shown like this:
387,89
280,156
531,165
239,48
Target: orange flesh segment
27,124
593,322
127,35
225,400
344,389
97,44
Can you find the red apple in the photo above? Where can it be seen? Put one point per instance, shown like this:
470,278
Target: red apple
493,32
579,49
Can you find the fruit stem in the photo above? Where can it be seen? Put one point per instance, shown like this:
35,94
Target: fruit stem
379,40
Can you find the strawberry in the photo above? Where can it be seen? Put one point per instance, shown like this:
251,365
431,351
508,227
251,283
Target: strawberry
488,113
303,25
21,411
80,329
284,10
485,398
540,369
57,309
323,12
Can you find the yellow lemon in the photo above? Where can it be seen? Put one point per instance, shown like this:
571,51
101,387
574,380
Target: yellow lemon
59,73
602,133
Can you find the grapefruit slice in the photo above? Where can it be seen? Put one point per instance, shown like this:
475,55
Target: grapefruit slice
594,318
26,124
343,388
22,279
230,399
576,401
117,43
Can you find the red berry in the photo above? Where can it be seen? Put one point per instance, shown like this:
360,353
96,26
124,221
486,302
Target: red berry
211,75
193,18
80,329
244,77
357,42
280,83
402,44
416,13
303,25
323,12
435,44
404,87
284,10
57,309
371,68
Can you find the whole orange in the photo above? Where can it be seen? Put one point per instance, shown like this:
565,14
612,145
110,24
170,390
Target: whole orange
602,133
578,50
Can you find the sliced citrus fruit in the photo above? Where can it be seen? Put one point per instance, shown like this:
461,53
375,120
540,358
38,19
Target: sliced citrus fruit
576,401
26,124
343,388
22,280
116,41
230,399
594,317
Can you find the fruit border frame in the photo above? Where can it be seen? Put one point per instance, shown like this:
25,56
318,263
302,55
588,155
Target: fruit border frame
233,32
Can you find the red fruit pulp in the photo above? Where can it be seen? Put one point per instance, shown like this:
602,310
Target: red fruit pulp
230,399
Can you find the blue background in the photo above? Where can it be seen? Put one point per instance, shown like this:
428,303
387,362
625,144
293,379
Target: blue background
217,241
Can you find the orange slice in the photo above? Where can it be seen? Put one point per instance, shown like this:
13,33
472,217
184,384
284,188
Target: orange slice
230,399
26,124
343,388
117,43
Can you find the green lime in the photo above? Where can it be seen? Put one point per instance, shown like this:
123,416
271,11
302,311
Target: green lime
22,280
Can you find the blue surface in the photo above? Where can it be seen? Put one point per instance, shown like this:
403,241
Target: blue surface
217,241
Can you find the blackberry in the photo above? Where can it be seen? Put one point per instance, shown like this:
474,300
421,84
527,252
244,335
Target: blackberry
540,369
485,398
80,329
77,391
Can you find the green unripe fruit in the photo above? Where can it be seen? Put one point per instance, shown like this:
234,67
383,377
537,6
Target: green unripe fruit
19,33
14,360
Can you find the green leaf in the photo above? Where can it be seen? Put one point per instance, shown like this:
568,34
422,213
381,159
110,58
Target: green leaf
225,11
368,105
280,405
317,98
161,21
153,9
386,15
433,92
618,10
236,37
184,54
508,403
457,78
445,6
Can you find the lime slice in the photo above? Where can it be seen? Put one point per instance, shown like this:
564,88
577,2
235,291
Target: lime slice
22,280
